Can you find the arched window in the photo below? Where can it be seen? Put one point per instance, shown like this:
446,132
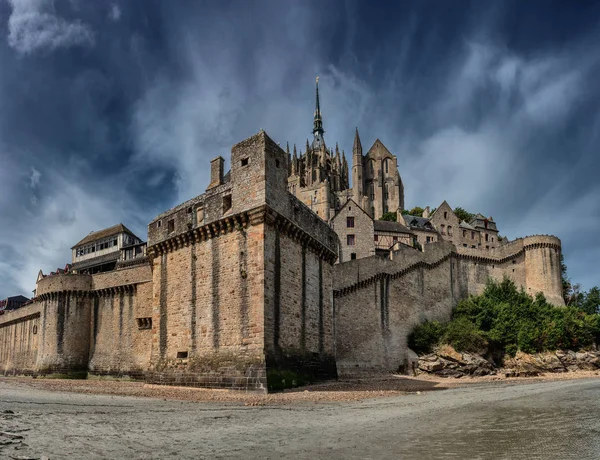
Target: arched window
314,175
372,167
371,191
443,229
449,230
387,192
385,164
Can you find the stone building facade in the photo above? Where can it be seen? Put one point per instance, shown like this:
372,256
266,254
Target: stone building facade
240,288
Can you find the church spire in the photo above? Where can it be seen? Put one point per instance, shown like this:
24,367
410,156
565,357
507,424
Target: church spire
318,130
357,148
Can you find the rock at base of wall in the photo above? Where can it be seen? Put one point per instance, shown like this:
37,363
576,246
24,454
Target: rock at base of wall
447,362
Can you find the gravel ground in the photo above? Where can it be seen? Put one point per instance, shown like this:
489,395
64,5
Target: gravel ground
391,417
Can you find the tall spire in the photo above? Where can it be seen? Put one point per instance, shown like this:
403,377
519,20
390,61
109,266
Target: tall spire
318,130
357,148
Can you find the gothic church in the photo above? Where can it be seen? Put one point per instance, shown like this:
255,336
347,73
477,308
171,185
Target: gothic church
319,177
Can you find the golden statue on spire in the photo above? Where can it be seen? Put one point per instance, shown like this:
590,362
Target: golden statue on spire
317,79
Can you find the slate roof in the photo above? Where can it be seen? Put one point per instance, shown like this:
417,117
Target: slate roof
464,224
418,222
107,232
387,226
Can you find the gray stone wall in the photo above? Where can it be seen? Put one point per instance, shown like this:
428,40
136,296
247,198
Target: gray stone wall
379,301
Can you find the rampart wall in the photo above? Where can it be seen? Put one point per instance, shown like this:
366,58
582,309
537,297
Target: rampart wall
379,301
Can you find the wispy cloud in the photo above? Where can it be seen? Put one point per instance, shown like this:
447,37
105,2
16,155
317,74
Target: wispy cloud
34,26
129,131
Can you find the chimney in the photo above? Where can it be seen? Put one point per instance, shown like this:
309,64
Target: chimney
426,212
216,172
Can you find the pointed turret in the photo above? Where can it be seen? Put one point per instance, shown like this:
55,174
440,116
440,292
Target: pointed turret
357,147
294,171
345,179
357,169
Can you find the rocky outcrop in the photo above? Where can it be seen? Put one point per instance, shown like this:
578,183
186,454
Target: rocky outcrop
558,361
447,362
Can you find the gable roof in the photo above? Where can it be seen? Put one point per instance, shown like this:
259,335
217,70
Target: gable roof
464,224
378,145
105,233
444,204
387,226
350,201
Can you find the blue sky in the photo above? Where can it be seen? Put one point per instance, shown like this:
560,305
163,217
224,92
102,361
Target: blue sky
111,110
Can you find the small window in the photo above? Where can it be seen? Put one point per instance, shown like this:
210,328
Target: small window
277,163
182,354
353,256
473,247
449,230
472,235
486,237
244,161
376,238
428,239
445,215
492,239
171,226
34,330
226,203
159,224
464,233
144,323
189,210
395,239
487,247
350,222
350,240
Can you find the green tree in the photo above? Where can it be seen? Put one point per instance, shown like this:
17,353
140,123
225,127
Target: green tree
505,319
416,211
566,282
591,302
389,216
463,215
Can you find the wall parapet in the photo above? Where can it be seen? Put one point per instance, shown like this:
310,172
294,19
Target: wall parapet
243,220
369,270
66,282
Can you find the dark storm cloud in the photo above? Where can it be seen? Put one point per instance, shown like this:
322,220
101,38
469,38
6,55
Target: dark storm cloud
110,111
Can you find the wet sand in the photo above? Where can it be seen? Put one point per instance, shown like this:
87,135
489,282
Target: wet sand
391,417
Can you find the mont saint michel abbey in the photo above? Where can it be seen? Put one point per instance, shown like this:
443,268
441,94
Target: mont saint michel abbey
319,176
279,274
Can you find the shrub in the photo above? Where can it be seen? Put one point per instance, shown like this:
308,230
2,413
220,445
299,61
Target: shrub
463,335
505,319
425,336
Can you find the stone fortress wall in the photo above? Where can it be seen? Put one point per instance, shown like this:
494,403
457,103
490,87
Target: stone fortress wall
236,292
379,301
239,291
